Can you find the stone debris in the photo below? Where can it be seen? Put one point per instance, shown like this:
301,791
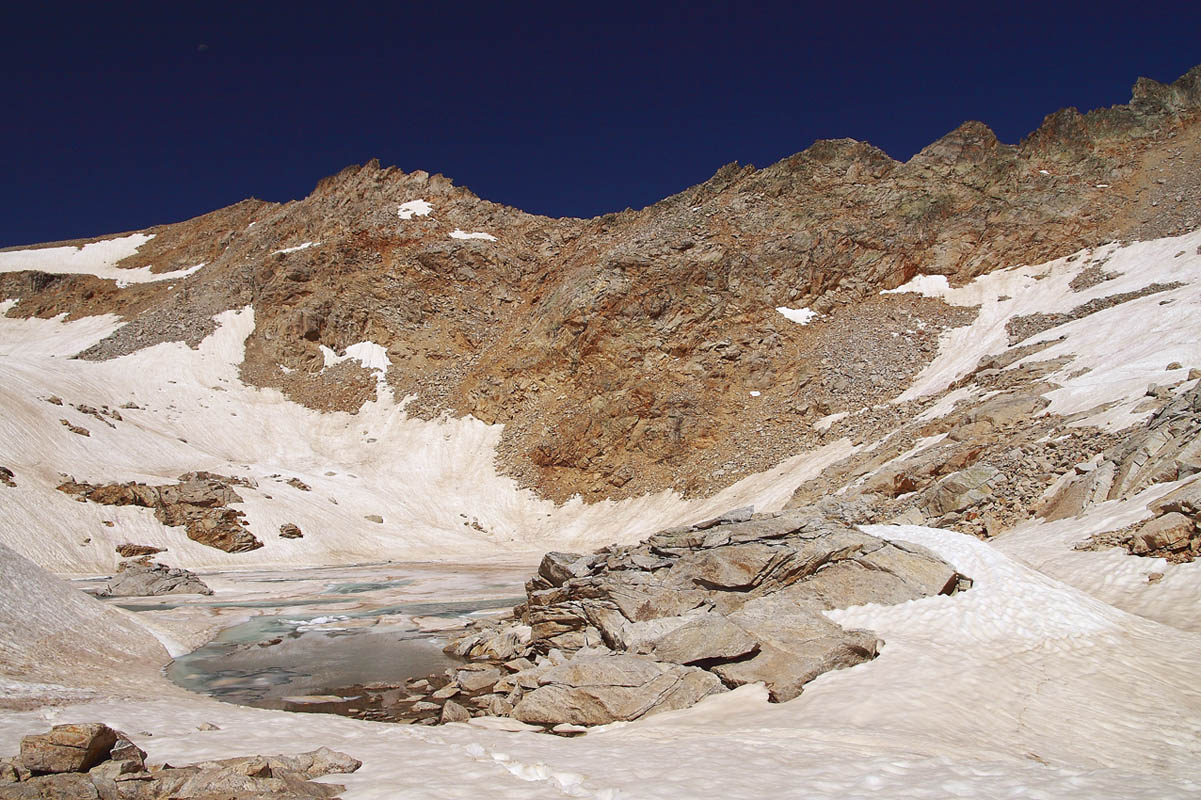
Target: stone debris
1166,448
7,477
92,760
76,429
1023,327
200,502
128,550
290,531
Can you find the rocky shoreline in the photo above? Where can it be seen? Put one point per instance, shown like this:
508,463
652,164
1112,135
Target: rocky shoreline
631,631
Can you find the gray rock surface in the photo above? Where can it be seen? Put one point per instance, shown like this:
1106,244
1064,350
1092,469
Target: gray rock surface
136,579
633,630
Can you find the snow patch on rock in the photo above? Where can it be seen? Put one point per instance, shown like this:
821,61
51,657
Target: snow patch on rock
414,208
303,246
96,258
459,234
801,316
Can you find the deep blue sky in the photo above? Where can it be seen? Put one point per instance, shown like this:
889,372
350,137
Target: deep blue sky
117,116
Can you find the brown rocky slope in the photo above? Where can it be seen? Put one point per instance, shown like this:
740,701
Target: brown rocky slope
621,352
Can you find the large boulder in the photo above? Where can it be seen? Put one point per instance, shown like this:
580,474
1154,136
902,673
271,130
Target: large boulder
707,637
962,490
145,580
797,645
1166,534
68,748
597,690
78,762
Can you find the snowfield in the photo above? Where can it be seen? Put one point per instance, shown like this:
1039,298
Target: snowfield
801,316
1059,674
96,258
969,697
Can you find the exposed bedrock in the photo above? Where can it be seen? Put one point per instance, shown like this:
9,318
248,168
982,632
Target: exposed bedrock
200,502
633,630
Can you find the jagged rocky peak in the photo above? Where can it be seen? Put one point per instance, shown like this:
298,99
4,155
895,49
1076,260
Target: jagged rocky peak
1182,94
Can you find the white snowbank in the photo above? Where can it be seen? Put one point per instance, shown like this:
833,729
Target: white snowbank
369,355
1121,349
303,246
458,234
802,316
96,258
414,208
929,285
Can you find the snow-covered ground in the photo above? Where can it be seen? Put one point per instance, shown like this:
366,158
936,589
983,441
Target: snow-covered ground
460,234
1123,348
414,208
1020,687
801,316
295,248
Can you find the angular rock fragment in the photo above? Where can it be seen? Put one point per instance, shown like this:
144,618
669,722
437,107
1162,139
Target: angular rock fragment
68,748
129,550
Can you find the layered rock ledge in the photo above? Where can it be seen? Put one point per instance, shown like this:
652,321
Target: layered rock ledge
630,631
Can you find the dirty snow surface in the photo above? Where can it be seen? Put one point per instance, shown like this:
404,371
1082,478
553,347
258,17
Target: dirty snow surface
1059,674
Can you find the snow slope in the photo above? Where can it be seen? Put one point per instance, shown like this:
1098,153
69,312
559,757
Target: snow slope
428,480
1123,348
1060,674
96,258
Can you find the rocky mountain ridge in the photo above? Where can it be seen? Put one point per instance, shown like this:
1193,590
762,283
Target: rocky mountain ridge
643,350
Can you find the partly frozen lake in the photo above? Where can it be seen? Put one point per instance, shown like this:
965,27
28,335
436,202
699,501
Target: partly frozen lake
284,637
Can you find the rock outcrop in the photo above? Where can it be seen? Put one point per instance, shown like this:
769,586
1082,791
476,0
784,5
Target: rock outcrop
200,502
135,579
130,550
1166,448
631,631
94,761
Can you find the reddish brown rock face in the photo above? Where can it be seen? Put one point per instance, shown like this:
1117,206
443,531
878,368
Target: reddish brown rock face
621,352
